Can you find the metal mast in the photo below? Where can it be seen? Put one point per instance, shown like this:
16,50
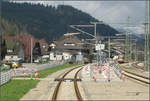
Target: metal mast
146,48
127,43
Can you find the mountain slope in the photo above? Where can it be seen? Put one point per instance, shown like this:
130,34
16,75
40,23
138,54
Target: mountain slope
49,22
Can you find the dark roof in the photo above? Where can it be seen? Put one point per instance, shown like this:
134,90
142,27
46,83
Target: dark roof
65,42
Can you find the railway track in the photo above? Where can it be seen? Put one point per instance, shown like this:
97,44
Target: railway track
60,81
137,66
137,77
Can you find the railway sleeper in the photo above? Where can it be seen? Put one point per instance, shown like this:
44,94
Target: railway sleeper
67,79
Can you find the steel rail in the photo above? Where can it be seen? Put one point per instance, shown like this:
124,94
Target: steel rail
137,79
56,91
78,95
139,67
136,75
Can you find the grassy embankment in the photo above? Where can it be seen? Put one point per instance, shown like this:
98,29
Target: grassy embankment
129,68
15,89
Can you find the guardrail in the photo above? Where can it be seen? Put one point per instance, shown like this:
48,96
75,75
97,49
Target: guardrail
5,77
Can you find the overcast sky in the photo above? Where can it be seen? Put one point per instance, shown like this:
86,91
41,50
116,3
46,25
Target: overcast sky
108,11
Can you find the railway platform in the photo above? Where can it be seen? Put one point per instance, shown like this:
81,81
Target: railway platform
102,74
116,89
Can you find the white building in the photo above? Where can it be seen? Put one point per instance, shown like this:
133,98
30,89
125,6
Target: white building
11,57
60,56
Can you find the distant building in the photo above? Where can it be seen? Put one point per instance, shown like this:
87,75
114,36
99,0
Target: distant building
68,47
26,41
44,47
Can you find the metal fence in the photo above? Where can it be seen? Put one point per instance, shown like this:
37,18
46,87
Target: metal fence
117,70
5,77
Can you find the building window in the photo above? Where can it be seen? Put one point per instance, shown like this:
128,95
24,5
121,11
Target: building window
69,44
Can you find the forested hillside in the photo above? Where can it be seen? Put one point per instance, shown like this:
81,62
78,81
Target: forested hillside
49,22
12,29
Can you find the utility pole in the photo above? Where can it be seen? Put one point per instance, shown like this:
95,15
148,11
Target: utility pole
130,44
127,46
96,42
0,48
31,50
135,59
146,48
109,46
109,60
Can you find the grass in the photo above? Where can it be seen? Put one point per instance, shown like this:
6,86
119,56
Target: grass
44,62
130,68
46,72
15,89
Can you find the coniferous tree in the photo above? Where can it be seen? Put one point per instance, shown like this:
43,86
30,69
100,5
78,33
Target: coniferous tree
49,22
37,50
3,49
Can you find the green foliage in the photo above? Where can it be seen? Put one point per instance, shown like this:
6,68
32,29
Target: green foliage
11,29
37,50
3,49
49,71
49,22
15,89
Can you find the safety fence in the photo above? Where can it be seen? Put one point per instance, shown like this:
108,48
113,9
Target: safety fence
117,70
5,77
30,71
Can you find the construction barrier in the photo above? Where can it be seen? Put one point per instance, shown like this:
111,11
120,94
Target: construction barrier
95,71
122,75
119,72
13,74
104,70
36,74
24,73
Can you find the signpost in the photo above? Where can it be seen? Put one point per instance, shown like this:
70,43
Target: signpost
99,47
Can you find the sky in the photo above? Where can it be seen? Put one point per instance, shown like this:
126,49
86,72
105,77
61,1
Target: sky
109,11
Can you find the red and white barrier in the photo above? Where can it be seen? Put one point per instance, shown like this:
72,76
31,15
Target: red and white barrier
36,74
24,73
105,71
95,71
122,75
13,74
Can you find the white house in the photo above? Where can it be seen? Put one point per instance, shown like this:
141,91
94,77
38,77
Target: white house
60,56
66,55
10,57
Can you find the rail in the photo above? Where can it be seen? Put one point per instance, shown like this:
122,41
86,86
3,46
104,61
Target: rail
78,95
56,91
137,77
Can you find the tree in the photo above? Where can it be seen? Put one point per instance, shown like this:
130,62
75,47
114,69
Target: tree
3,49
37,50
